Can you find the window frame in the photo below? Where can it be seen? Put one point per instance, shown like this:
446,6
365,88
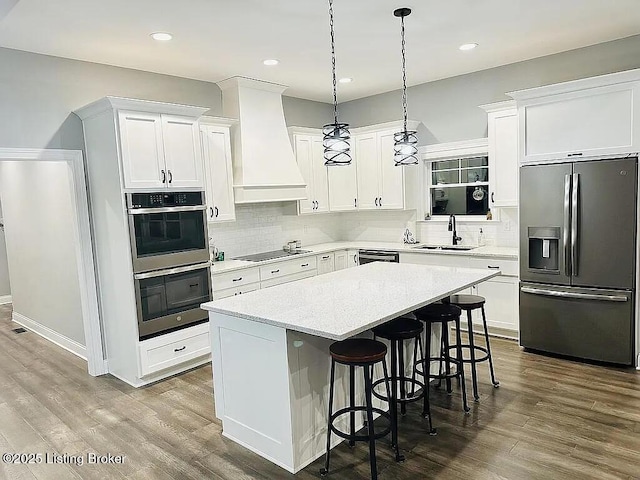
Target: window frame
452,151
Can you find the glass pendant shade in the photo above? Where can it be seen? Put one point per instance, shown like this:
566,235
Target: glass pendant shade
335,140
405,148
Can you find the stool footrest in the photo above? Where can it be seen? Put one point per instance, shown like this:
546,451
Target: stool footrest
467,347
412,384
354,437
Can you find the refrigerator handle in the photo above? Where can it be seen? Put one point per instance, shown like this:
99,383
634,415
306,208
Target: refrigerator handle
567,224
574,223
580,296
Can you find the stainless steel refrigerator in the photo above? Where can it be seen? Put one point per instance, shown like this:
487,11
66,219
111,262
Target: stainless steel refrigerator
578,258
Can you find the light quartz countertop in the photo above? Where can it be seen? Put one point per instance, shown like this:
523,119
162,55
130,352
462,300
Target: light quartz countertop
346,302
509,253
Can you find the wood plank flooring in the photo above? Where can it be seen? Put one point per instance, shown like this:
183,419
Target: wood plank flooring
550,419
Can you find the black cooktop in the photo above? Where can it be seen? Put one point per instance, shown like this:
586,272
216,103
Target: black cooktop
259,257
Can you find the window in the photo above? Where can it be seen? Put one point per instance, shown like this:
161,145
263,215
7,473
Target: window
460,186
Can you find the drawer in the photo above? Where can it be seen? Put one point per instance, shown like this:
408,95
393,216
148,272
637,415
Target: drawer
290,267
507,267
224,280
288,278
239,290
174,348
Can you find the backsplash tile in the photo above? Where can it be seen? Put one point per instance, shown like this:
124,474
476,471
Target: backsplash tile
265,227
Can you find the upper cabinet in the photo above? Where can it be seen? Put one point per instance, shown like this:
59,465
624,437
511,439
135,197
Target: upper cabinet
158,143
160,151
380,183
592,117
216,152
307,144
502,129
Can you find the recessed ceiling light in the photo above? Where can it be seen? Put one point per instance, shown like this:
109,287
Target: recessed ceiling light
161,36
271,61
346,80
468,46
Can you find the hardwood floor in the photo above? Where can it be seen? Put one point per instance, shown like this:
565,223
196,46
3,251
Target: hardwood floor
550,419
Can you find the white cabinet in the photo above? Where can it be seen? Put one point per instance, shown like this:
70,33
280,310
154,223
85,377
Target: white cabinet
310,157
340,259
501,292
352,258
343,188
216,152
287,271
502,128
382,184
591,117
326,263
160,151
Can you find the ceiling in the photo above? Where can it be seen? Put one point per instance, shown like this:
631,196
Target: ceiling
216,39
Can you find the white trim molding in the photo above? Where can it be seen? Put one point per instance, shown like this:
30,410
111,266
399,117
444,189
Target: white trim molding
4,299
51,335
93,352
465,148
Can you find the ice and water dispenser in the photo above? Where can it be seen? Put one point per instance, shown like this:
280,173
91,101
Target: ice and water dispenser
544,248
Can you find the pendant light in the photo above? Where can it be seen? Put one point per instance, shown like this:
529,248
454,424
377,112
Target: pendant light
335,136
405,143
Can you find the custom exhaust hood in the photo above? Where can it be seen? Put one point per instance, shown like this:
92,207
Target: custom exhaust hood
264,166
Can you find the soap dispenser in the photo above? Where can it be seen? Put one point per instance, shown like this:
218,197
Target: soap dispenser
481,239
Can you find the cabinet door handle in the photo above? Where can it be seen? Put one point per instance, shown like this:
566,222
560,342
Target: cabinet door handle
376,201
275,271
164,176
380,201
492,200
211,211
216,211
170,176
355,203
575,154
304,265
240,278
179,349
492,267
326,258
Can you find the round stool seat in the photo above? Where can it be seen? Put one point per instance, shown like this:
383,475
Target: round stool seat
467,302
399,329
438,312
358,351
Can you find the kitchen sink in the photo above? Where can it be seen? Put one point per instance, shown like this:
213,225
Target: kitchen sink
462,248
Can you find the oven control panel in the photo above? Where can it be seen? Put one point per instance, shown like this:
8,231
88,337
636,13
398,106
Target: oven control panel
165,199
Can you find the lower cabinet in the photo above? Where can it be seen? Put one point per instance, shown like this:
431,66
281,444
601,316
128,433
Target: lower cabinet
174,348
352,258
340,261
501,292
326,263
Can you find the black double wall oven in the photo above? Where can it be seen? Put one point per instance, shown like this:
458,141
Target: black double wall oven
170,256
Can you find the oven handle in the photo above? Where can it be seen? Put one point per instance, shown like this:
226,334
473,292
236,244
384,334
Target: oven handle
383,257
171,271
187,208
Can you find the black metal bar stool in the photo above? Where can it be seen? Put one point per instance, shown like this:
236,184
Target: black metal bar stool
441,313
365,353
397,331
469,303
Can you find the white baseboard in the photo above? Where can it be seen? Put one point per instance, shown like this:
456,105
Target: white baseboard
4,299
51,335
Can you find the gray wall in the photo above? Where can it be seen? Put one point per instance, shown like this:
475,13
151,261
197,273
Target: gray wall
5,286
39,92
448,108
41,246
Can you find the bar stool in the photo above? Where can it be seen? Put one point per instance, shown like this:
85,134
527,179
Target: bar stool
365,353
441,313
469,303
397,331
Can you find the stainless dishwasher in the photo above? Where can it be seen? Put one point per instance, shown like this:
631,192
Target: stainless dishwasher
368,256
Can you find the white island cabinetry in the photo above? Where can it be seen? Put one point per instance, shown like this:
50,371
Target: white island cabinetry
281,337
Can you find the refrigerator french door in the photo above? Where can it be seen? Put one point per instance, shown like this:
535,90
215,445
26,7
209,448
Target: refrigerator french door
577,258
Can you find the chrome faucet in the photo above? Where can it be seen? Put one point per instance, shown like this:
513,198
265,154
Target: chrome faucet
452,228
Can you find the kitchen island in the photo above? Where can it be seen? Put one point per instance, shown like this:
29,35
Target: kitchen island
270,349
